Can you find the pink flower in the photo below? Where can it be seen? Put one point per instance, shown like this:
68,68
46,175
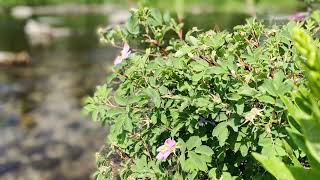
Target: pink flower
300,16
166,149
123,55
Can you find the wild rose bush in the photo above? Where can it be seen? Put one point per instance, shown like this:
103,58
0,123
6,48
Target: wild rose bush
194,105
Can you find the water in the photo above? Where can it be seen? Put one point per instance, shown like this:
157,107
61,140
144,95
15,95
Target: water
44,134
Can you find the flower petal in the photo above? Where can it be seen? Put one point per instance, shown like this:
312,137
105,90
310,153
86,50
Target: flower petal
166,154
160,148
117,61
126,55
170,142
125,48
160,156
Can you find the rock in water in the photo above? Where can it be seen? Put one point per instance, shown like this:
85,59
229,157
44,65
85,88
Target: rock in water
22,12
10,58
43,34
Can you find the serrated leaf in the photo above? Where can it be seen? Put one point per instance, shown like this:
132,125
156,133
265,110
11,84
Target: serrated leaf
157,17
176,129
196,162
132,25
184,105
164,119
221,132
193,141
154,119
199,65
217,70
120,100
183,51
154,95
247,91
212,173
240,108
203,149
266,99
268,86
243,150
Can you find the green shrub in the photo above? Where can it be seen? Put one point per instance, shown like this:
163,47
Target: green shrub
217,94
305,111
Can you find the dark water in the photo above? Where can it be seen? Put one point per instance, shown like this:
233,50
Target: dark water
43,132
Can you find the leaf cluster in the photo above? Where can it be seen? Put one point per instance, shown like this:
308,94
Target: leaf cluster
305,116
218,94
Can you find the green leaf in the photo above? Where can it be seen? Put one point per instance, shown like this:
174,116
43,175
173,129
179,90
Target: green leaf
197,77
221,132
192,175
164,119
196,162
303,173
268,86
154,95
212,173
266,99
247,91
311,130
216,70
176,129
217,41
244,150
300,141
240,108
227,176
181,145
289,151
132,25
193,141
183,51
203,149
157,17
199,65
119,99
184,104
278,79
277,168
154,119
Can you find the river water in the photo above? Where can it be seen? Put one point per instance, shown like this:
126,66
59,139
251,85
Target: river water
43,132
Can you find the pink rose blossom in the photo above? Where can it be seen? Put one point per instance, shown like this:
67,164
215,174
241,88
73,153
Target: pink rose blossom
166,149
123,55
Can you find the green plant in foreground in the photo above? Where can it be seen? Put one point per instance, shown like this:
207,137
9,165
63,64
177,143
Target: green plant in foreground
305,125
217,94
